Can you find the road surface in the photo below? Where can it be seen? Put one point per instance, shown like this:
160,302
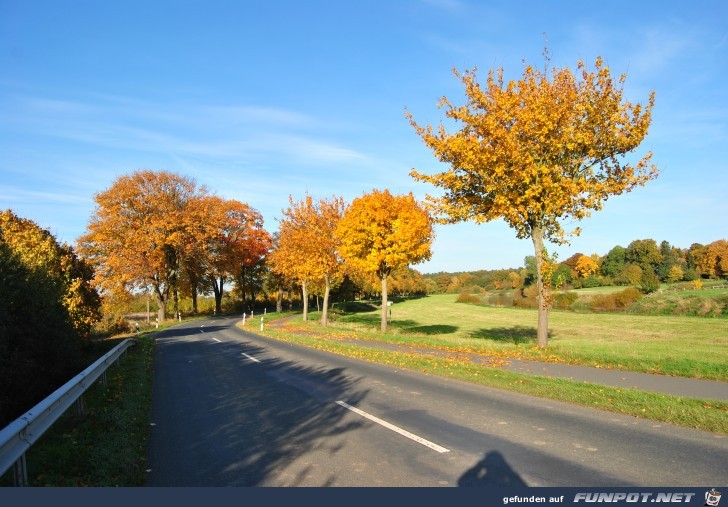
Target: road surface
232,408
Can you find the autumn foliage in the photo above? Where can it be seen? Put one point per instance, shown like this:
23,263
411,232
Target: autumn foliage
234,240
307,249
381,232
39,250
160,230
47,309
536,152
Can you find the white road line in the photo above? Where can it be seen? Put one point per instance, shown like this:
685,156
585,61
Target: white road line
394,428
250,357
218,341
201,331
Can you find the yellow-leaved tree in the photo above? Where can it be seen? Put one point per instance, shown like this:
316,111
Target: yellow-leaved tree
586,266
381,232
307,249
537,151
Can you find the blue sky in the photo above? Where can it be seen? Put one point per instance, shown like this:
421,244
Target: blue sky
259,100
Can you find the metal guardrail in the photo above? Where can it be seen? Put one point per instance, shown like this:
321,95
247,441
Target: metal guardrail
17,437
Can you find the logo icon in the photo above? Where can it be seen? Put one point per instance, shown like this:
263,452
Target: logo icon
712,498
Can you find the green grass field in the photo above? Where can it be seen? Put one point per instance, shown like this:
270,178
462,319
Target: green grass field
682,346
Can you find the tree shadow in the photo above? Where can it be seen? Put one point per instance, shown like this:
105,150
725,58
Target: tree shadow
516,334
492,470
247,421
354,307
433,329
405,325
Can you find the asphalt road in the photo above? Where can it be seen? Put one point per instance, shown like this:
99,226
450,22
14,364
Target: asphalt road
235,409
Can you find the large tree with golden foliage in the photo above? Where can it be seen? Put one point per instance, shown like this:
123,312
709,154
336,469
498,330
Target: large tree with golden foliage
381,232
536,152
143,229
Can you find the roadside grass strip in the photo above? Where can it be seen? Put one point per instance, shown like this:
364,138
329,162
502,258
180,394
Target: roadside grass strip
705,415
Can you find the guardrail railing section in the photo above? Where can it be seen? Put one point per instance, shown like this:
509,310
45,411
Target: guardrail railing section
17,437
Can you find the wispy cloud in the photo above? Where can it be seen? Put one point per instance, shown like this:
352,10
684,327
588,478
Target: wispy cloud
205,131
13,196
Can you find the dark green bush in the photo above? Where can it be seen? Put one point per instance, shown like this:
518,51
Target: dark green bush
650,282
591,281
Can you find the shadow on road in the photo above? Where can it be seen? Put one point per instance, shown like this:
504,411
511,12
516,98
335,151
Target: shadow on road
492,470
223,419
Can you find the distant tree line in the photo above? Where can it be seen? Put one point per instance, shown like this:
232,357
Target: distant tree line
643,264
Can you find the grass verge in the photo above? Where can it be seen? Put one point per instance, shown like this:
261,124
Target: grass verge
691,347
688,412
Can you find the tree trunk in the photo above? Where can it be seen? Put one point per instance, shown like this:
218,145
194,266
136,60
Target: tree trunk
279,301
242,284
161,310
327,289
384,304
176,303
304,289
542,332
218,290
194,299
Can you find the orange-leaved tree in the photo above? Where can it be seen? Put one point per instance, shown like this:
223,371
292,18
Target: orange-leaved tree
142,231
307,249
235,238
537,151
381,232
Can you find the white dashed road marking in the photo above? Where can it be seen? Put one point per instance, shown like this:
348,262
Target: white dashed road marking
394,428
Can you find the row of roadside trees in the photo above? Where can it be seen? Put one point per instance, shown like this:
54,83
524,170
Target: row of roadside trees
323,241
161,232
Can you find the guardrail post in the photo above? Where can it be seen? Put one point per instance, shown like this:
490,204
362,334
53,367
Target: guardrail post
79,406
20,472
